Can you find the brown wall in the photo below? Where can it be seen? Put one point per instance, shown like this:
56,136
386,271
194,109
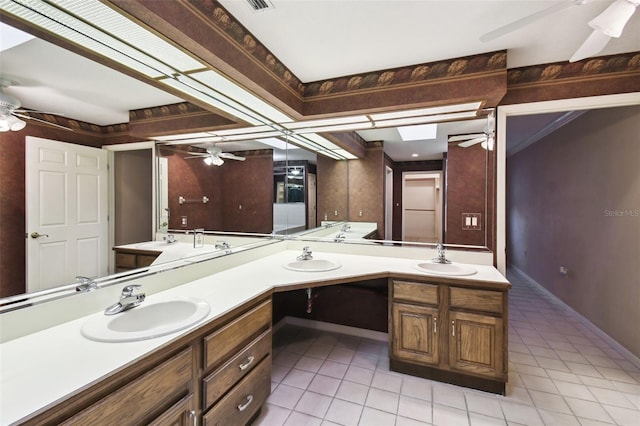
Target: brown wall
240,194
13,200
467,184
331,188
574,201
367,188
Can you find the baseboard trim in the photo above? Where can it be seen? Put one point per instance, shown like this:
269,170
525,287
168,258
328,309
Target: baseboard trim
629,356
332,328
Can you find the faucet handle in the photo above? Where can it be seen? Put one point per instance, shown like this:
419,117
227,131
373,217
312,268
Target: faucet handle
128,290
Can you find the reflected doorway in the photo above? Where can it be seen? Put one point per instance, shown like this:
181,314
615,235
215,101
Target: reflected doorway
422,207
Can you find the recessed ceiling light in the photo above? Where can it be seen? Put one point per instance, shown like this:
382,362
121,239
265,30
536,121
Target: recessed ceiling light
419,132
414,155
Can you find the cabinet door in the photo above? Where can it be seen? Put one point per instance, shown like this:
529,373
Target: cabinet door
415,333
183,413
476,344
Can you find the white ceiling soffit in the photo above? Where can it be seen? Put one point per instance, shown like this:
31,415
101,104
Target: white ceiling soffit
376,35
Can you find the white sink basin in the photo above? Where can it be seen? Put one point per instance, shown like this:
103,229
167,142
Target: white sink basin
312,265
146,321
450,269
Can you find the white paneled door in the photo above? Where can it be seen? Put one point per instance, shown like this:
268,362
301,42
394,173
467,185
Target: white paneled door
421,210
66,212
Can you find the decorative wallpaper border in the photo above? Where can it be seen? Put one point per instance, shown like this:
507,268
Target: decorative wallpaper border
171,110
588,68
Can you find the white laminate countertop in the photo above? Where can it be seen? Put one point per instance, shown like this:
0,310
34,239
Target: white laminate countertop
42,368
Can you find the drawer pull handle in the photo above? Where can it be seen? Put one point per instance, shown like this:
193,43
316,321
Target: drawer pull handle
453,327
435,325
244,406
247,364
192,414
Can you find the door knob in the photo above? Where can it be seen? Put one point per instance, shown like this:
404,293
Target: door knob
38,235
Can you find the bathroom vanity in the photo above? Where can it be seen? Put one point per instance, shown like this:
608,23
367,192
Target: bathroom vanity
449,330
218,371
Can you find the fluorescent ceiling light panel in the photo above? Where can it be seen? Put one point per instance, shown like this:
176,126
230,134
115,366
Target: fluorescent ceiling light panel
421,120
195,140
246,130
345,154
276,143
426,111
182,136
335,128
73,29
325,122
122,28
233,91
209,96
323,142
418,132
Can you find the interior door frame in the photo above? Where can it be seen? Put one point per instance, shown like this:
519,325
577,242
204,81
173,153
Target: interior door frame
111,150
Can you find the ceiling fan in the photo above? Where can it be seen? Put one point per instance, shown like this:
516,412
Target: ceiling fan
608,24
214,156
487,138
11,115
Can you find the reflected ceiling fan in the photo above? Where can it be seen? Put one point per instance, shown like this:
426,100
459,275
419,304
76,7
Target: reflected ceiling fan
487,138
12,116
608,24
214,156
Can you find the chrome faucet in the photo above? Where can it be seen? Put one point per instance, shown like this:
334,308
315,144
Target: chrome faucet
339,238
307,254
441,255
85,284
345,227
223,245
128,299
170,238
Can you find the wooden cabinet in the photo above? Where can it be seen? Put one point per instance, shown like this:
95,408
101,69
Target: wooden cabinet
415,332
152,396
127,259
238,357
449,331
217,374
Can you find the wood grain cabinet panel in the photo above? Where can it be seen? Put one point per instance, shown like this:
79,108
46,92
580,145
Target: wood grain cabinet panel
242,403
154,392
183,413
127,258
225,377
219,346
415,334
450,332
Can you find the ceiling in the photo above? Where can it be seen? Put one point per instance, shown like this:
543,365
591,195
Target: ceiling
344,37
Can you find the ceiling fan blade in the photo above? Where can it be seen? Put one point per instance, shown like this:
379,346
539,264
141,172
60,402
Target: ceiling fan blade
471,142
38,112
231,156
591,46
196,155
458,138
27,117
527,20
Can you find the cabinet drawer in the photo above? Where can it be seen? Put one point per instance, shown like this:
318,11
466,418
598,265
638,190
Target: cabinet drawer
477,300
415,292
228,340
151,393
145,260
126,260
223,379
244,401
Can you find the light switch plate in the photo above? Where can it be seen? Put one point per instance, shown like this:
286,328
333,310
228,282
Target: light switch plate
471,221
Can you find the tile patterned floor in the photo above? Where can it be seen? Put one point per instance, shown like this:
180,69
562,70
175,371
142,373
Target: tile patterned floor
560,373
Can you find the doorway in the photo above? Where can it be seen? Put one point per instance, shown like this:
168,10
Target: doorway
422,207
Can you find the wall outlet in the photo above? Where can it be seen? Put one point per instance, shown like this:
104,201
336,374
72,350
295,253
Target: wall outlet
183,221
